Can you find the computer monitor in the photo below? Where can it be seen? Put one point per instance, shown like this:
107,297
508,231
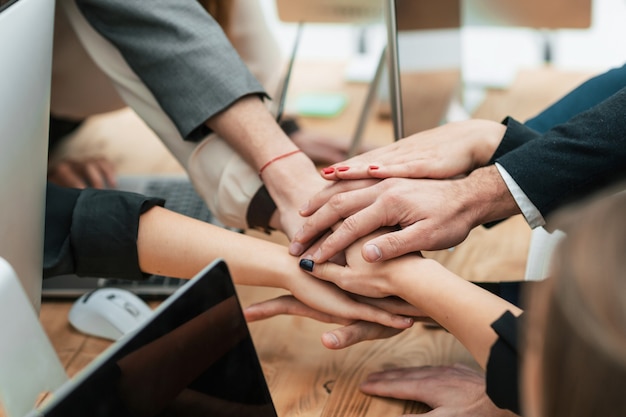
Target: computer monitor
26,55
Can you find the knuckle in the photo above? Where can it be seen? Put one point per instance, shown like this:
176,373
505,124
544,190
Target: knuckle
337,202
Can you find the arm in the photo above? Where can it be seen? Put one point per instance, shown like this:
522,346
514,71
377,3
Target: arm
573,159
93,232
191,244
464,309
181,62
122,235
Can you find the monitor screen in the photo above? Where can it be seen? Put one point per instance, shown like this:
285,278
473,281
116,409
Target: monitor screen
26,56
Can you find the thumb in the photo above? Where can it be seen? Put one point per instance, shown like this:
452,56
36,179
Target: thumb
390,245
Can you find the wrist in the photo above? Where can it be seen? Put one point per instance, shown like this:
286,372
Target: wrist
486,197
292,181
487,136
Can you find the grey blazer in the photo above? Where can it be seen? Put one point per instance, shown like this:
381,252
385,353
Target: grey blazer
180,52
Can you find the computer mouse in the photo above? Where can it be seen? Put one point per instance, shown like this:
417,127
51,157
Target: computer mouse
109,313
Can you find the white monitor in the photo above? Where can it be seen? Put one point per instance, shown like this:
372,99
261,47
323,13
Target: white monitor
26,57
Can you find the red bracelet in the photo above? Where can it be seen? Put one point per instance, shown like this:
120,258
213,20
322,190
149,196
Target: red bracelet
271,161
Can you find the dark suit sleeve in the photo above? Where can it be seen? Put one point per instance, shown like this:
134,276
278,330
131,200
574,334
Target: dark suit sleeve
180,52
571,160
93,232
582,98
587,95
503,366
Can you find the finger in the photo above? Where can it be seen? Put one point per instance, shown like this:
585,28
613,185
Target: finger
406,373
108,171
360,219
392,304
344,278
356,332
355,226
397,243
423,384
288,304
413,169
322,197
94,176
347,171
63,174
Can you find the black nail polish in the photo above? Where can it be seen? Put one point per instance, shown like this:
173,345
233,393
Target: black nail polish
307,264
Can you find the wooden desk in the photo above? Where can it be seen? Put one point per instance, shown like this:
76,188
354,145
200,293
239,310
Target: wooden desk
306,379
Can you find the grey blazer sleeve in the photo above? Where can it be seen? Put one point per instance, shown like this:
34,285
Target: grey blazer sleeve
180,52
573,159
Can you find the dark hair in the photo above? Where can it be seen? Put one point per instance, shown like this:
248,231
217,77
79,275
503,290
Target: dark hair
583,352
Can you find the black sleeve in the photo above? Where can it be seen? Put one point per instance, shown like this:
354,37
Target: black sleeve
503,365
93,232
510,291
573,159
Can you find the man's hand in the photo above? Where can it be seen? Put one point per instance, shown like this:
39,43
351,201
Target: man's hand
447,151
449,390
429,214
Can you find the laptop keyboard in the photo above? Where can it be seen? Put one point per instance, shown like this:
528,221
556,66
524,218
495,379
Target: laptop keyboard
182,198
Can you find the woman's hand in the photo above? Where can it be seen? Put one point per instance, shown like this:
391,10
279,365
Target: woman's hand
443,152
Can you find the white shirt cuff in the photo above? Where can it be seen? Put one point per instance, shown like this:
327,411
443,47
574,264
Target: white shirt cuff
529,211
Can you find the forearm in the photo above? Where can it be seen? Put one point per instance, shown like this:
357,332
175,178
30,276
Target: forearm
174,245
251,130
464,309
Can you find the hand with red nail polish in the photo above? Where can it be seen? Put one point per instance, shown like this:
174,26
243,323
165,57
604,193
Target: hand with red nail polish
447,151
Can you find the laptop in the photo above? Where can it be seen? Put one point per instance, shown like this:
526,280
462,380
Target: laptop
193,356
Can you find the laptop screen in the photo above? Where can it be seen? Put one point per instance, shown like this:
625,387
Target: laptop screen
193,357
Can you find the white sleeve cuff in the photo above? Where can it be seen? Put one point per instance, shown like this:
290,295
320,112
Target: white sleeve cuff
529,211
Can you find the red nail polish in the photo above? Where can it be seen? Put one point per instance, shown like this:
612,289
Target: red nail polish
374,167
328,170
343,169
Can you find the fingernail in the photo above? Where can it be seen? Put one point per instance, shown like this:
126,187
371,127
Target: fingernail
331,339
342,169
317,255
304,207
307,264
374,167
296,248
373,253
328,170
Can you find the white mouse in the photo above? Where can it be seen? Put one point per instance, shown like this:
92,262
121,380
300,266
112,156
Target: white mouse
109,313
